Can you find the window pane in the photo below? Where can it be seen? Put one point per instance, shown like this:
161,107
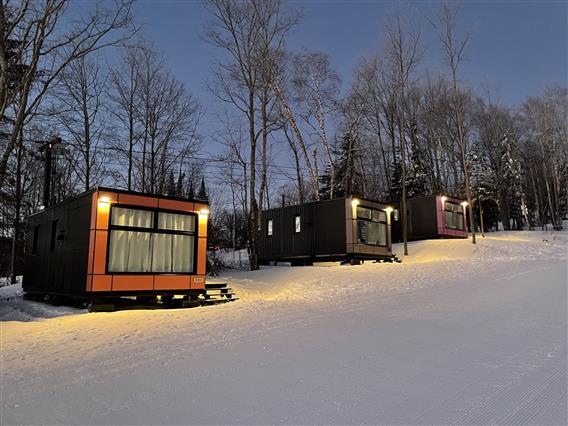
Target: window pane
173,253
363,213
129,251
269,227
454,220
448,218
379,216
132,217
176,222
372,233
297,224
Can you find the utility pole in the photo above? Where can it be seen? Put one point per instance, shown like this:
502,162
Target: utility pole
18,203
47,147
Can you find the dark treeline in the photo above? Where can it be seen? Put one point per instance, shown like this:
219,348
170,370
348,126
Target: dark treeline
289,130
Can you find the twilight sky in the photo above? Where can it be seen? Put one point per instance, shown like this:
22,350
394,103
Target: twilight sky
516,47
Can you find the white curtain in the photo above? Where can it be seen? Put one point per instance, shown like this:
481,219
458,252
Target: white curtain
129,251
176,222
172,253
132,217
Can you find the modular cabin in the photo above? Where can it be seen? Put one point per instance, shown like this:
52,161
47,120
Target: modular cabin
112,243
348,229
436,216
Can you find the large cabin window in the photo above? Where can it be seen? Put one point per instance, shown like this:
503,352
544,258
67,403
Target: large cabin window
269,227
453,216
371,226
151,241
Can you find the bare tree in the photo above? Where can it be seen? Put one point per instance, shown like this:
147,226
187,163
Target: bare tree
316,90
454,49
247,32
402,50
35,47
295,136
78,110
169,118
123,93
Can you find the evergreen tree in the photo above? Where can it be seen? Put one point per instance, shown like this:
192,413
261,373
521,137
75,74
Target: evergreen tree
348,176
483,187
396,178
512,174
171,185
325,184
202,194
418,176
191,192
179,185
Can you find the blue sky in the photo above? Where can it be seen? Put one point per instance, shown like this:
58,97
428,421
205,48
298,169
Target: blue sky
516,47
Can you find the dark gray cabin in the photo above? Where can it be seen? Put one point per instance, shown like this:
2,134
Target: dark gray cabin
347,228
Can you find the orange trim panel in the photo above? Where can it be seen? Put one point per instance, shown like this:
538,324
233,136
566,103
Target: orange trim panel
171,282
138,200
102,283
99,266
201,253
184,206
132,282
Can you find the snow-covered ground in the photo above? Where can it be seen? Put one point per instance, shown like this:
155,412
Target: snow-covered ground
456,334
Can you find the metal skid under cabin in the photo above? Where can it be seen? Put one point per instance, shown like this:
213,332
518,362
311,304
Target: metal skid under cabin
339,229
108,243
436,216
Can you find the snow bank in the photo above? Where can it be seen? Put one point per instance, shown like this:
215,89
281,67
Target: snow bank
14,308
428,262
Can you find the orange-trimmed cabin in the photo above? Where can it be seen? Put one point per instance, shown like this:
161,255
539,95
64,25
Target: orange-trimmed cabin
113,243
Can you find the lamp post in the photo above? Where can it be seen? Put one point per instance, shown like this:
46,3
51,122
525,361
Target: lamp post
464,205
389,210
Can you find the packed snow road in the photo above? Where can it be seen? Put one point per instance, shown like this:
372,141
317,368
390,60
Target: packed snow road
454,335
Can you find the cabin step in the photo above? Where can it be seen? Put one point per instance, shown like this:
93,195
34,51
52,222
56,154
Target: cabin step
218,293
214,301
212,286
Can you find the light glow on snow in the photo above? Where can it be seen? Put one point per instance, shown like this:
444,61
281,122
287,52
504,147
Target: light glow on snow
456,334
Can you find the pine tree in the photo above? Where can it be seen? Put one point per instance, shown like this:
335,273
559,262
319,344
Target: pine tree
482,186
179,185
348,177
396,178
171,185
418,176
202,194
512,174
191,192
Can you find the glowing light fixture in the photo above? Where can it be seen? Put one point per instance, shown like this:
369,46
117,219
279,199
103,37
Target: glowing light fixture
355,202
444,198
389,209
104,200
203,212
464,204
